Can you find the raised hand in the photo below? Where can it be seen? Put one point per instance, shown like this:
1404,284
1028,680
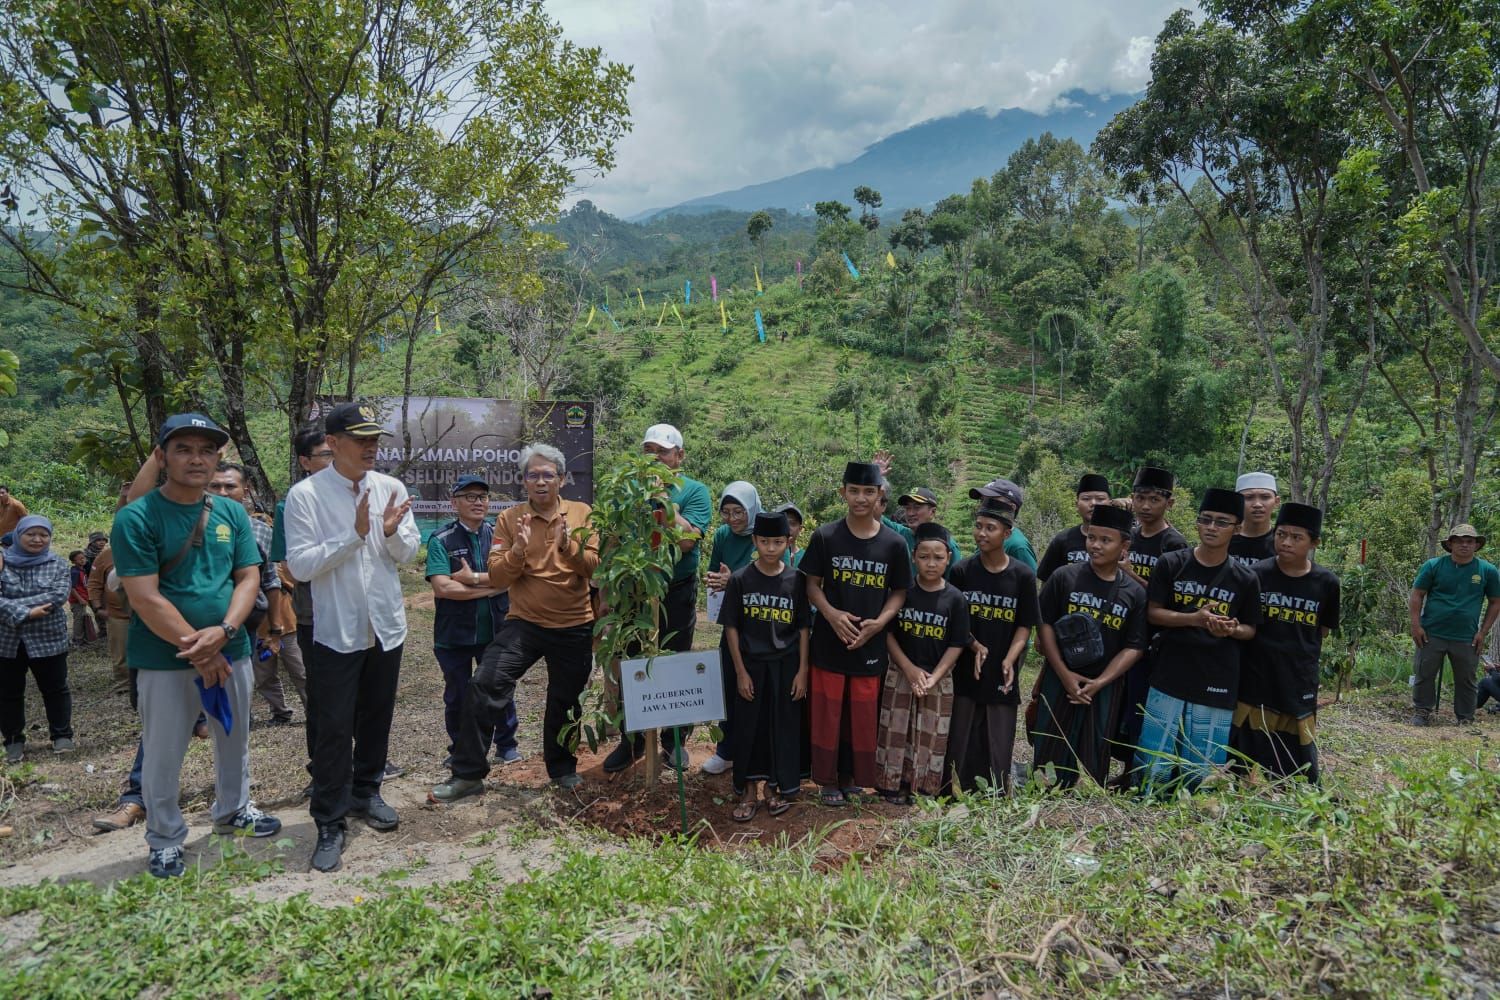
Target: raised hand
523,532
560,534
394,512
362,515
883,459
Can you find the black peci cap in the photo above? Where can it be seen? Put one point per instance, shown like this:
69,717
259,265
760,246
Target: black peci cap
931,531
863,474
1151,478
771,525
1107,516
1223,501
1301,515
1093,483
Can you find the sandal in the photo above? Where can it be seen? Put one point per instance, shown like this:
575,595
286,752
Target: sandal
853,796
833,797
776,805
745,811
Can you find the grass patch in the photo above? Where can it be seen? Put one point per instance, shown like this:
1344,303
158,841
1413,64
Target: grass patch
1377,888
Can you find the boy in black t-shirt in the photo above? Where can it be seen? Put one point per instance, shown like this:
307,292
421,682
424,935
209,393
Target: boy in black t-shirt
1255,539
766,631
1067,546
1207,606
1079,704
930,631
1151,500
1276,719
858,572
1001,592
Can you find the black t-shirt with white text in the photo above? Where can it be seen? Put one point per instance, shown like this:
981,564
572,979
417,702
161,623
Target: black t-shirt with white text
1119,607
999,603
858,576
1191,663
1280,669
930,623
1066,547
769,611
1252,550
1145,552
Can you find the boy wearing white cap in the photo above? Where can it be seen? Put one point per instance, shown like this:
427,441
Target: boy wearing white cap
1255,540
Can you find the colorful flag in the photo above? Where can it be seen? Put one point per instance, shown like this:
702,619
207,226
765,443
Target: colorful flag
687,293
799,272
613,321
663,317
679,316
758,288
713,283
890,260
723,317
642,298
850,265
437,324
760,327
590,321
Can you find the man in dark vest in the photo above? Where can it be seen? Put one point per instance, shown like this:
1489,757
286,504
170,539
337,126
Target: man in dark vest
468,610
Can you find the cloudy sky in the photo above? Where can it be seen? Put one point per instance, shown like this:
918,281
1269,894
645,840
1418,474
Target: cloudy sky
733,92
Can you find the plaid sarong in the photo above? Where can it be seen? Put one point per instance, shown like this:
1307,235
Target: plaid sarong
913,744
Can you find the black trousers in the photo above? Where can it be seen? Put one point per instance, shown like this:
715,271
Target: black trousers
51,673
516,648
353,698
767,738
310,730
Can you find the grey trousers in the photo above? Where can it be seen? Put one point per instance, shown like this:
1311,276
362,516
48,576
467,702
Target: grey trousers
1429,667
268,677
169,705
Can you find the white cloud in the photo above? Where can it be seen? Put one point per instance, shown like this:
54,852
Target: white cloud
733,92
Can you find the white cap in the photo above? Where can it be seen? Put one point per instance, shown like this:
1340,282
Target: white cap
663,434
1256,481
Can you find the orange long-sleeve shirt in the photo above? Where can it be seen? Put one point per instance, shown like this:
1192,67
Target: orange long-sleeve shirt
548,587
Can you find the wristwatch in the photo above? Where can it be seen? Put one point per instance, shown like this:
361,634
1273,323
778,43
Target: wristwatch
230,631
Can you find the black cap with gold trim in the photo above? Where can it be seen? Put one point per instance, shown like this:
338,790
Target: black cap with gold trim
357,418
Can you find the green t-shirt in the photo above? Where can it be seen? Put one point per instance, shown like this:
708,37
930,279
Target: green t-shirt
1455,596
734,551
150,532
438,564
697,508
1018,546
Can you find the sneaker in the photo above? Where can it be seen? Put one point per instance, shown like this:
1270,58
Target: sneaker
329,853
630,750
127,815
1493,708
249,822
1420,717
375,813
15,752
457,788
675,758
393,770
511,756
166,862
279,720
717,765
64,744
568,782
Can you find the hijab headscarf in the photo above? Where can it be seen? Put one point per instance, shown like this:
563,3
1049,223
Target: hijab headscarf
747,497
17,556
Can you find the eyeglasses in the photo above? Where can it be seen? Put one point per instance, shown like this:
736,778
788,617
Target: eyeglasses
326,453
472,497
537,476
1217,522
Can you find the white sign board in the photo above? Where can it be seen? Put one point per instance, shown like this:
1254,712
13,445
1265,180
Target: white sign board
679,689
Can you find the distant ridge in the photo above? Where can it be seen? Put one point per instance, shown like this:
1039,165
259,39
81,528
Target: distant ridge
918,166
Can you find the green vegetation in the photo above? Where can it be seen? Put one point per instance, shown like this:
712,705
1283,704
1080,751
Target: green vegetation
1375,886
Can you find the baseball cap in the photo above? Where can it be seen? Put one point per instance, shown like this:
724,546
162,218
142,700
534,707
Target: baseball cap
999,489
464,482
354,418
663,434
920,495
191,423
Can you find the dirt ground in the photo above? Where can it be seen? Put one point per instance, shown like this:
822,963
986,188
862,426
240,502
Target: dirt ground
515,825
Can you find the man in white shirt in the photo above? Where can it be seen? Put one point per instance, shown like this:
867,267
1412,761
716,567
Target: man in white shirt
347,528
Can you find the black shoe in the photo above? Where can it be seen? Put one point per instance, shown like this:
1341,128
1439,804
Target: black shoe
166,862
280,720
328,855
630,750
376,813
307,792
393,770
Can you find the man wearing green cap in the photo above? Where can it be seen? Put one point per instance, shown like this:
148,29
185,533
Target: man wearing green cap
1445,605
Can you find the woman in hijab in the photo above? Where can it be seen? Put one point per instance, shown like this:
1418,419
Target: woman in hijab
34,637
731,549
